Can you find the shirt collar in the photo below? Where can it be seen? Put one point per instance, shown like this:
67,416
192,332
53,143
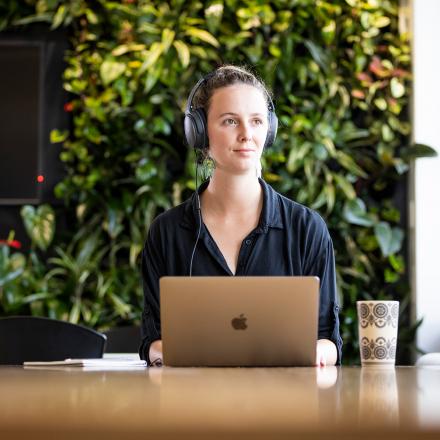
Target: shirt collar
270,214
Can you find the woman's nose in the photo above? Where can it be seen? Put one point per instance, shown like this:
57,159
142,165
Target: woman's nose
245,132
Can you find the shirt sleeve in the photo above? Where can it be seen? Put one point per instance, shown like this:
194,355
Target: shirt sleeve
152,268
323,266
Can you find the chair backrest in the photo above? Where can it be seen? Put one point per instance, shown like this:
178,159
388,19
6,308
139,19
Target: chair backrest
29,338
124,339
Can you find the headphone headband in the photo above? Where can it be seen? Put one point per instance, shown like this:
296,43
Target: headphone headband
194,91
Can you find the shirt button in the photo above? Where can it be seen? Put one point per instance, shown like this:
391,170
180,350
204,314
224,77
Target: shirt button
248,241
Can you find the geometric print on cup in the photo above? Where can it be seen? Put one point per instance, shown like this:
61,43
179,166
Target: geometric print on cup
379,315
379,349
395,311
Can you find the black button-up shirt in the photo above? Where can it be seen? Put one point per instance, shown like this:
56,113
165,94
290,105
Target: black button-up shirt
290,240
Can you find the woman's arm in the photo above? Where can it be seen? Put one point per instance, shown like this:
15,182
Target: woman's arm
321,263
152,268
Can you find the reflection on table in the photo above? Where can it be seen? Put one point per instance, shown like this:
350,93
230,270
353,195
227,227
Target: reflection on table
221,403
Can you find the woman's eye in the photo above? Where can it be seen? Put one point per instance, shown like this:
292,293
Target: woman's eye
230,121
258,121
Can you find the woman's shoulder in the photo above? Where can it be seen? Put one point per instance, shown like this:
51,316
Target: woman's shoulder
301,215
173,217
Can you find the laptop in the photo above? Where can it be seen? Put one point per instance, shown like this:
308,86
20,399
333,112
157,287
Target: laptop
239,321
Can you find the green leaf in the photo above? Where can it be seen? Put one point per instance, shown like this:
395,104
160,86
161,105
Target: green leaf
381,21
57,136
39,224
345,186
145,171
152,56
329,191
320,151
110,70
152,78
202,35
328,32
75,312
417,150
380,103
91,16
321,200
355,213
35,297
397,88
124,48
46,17
390,276
330,147
297,155
317,54
59,17
113,224
10,276
389,239
182,52
167,39
400,166
348,163
397,263
275,51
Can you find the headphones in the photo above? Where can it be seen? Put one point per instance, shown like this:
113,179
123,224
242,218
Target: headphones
195,122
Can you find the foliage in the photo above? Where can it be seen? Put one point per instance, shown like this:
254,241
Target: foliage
340,75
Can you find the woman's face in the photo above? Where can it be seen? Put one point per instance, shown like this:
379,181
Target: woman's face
237,128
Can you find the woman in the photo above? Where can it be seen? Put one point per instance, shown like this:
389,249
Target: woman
245,228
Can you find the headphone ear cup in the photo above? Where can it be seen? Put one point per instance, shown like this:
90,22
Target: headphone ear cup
272,130
195,129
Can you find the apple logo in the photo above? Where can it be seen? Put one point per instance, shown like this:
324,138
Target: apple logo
239,323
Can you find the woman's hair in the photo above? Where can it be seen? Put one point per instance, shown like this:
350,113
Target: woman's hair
224,76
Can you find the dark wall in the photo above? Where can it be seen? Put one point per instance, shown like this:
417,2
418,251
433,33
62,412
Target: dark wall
31,105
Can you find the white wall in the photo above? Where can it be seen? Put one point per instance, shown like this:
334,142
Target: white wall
426,203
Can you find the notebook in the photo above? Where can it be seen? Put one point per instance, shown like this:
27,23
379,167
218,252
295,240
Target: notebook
90,363
239,321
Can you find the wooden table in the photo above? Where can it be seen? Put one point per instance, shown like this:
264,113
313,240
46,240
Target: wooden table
215,403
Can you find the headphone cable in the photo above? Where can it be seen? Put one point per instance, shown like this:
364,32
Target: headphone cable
199,218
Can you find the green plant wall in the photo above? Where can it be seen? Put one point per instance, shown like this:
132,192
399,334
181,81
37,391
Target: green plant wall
340,75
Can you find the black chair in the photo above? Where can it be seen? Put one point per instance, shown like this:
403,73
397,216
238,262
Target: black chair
28,338
124,339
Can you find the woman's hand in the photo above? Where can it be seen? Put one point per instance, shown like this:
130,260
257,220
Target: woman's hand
155,353
326,353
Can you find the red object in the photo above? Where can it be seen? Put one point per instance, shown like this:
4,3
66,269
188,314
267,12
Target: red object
40,178
15,244
11,243
359,94
401,73
377,68
68,107
362,76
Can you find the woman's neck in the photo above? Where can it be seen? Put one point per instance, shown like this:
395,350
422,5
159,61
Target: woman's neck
229,194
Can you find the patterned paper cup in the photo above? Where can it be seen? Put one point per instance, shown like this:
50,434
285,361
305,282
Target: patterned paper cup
378,322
